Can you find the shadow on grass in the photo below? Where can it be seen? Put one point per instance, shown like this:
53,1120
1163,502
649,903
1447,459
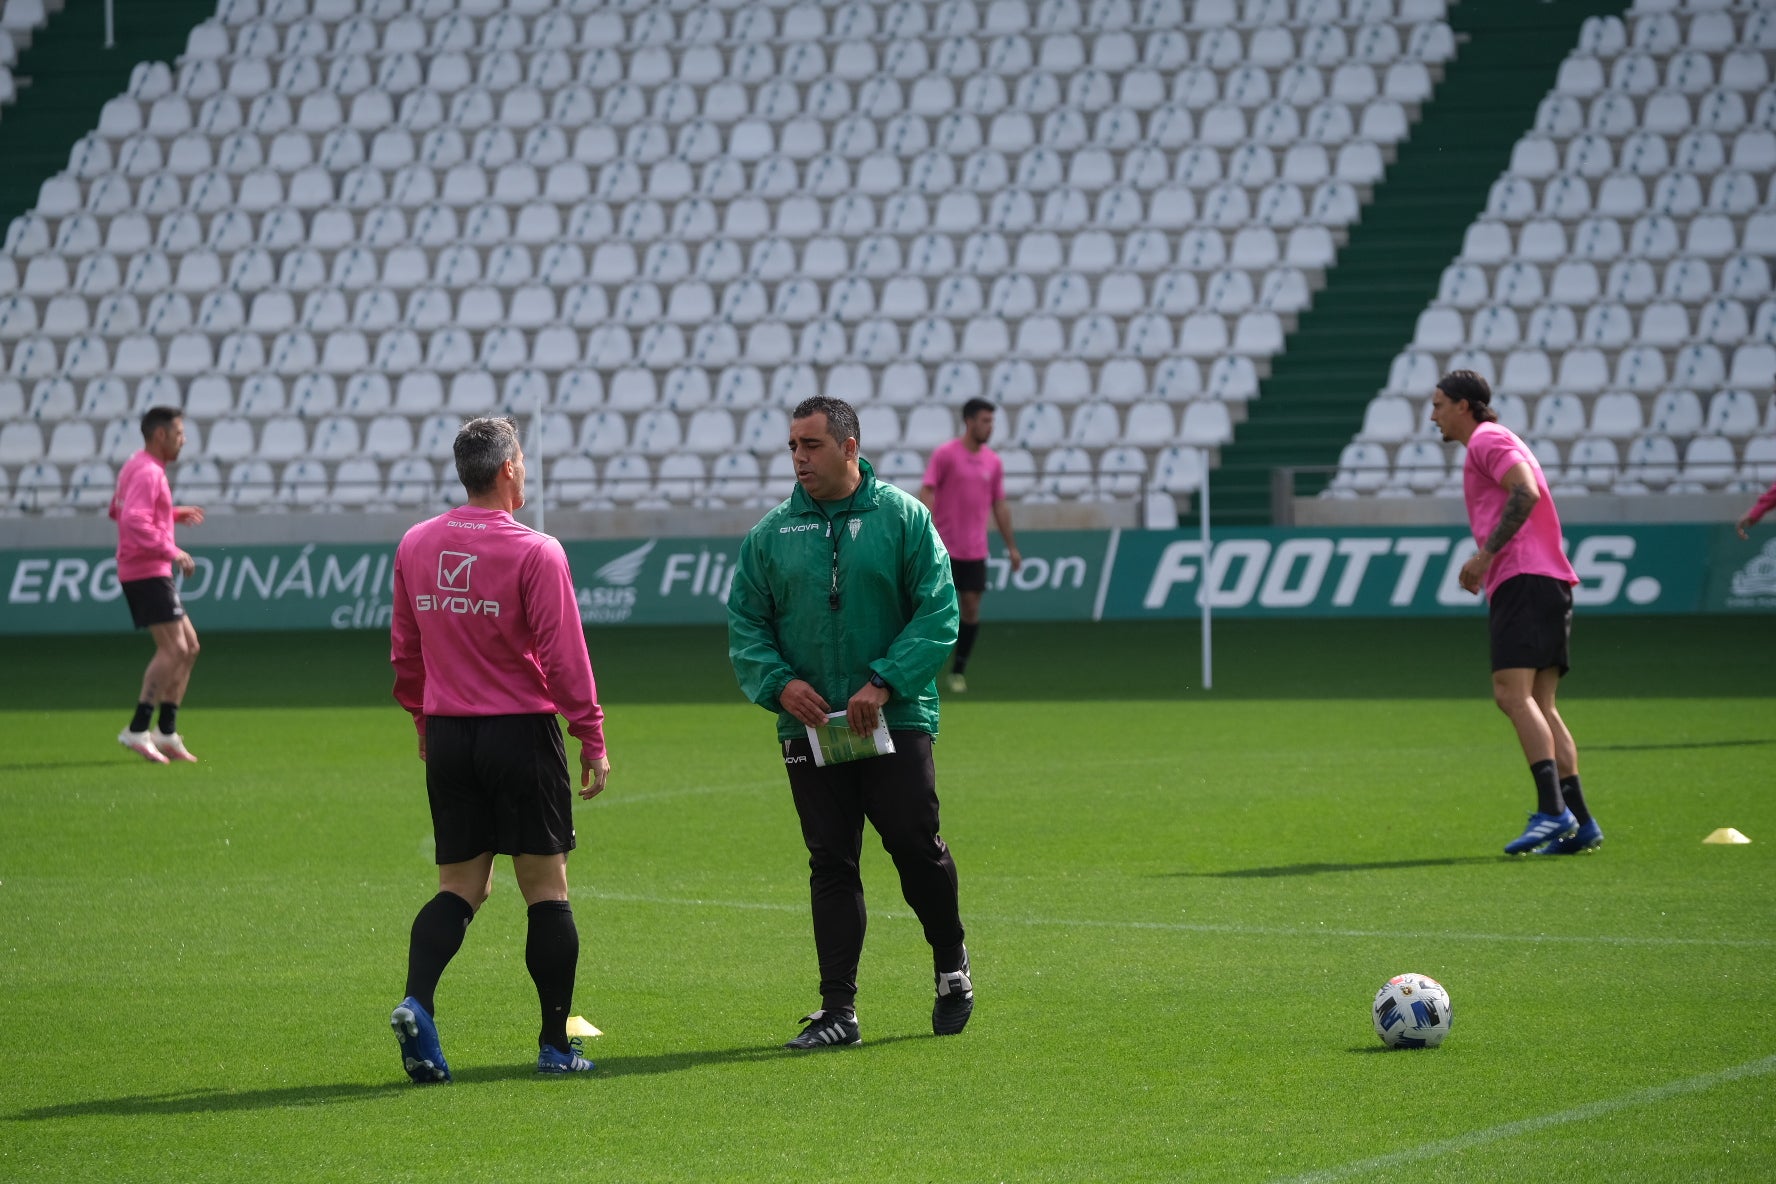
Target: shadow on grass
1677,745
1317,869
1365,1049
673,1062
45,766
219,1101
214,1101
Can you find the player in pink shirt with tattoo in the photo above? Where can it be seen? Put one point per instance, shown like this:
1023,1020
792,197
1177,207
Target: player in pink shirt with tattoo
487,648
965,485
1528,584
145,514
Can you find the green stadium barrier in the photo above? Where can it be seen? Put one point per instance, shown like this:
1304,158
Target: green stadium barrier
1066,575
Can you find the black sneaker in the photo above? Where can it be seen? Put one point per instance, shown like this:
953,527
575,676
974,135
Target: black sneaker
827,1030
955,1000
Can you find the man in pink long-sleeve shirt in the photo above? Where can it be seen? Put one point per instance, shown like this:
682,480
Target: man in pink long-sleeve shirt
146,554
487,648
1764,504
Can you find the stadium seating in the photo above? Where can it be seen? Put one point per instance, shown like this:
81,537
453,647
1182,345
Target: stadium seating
1618,280
653,211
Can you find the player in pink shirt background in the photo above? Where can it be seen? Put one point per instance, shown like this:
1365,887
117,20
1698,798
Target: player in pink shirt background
1528,584
1764,504
964,485
487,648
145,514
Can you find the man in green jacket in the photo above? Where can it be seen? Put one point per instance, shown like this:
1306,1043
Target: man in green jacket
842,600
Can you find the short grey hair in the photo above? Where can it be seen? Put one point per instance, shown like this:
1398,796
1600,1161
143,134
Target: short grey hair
482,446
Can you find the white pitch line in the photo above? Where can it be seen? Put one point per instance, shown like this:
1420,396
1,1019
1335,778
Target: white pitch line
1234,930
1510,1130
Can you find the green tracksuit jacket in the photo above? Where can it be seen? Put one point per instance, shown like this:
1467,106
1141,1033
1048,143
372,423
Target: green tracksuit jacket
897,605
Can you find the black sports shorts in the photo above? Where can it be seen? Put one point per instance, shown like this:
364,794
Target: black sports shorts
153,601
498,783
970,574
1531,618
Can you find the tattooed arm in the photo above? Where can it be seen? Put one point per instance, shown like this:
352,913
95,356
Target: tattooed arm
1520,480
1524,497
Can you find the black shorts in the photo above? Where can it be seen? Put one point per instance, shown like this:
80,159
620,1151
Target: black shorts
153,601
1531,619
498,783
970,574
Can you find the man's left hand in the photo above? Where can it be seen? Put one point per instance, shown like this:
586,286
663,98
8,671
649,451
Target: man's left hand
1474,570
188,515
594,772
1016,557
865,708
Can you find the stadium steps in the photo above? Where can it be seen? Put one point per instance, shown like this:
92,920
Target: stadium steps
1508,53
66,77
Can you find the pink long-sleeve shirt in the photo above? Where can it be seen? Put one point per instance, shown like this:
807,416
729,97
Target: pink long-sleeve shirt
1493,451
486,623
142,507
968,483
1765,503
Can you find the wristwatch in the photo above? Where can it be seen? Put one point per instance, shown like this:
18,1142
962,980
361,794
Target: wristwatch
876,680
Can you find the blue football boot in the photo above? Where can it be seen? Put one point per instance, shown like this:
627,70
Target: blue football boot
1542,828
1588,837
552,1060
421,1054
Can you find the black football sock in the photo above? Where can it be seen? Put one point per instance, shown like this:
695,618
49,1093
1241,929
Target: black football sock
1575,798
437,936
552,954
169,718
1547,787
140,720
965,635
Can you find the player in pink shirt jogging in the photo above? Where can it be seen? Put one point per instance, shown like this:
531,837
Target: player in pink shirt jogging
144,512
487,648
1528,584
1764,504
964,485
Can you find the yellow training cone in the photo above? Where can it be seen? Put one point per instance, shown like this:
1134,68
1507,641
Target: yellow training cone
577,1025
1726,836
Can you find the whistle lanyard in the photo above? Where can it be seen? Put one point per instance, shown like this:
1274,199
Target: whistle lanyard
832,595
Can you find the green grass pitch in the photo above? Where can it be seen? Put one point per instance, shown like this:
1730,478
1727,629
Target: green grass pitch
1179,906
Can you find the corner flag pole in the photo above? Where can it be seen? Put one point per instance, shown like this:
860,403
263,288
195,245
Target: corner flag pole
1203,586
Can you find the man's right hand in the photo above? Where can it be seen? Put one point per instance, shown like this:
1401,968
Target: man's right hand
804,702
1743,526
185,563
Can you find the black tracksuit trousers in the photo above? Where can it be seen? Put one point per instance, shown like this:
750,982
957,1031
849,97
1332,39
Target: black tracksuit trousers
897,793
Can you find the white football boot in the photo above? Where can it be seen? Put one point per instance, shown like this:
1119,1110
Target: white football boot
142,745
172,748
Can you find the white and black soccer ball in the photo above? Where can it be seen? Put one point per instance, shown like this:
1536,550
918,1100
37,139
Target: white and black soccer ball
1411,1011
